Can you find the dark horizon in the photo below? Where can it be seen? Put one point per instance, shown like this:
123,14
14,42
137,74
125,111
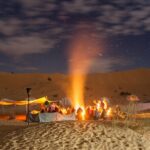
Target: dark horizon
67,73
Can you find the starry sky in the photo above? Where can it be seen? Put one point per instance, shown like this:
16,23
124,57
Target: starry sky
35,34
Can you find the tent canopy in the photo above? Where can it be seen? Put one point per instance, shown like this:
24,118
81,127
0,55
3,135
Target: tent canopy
24,102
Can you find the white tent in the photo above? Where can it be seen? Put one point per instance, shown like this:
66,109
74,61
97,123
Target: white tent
49,117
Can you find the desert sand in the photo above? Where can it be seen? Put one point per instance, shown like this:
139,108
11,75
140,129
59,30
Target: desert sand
69,135
113,85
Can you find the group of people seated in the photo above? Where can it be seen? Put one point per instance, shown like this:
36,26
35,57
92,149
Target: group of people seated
93,112
66,111
98,111
49,107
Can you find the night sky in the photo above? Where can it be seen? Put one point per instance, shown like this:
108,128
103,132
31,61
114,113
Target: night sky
35,34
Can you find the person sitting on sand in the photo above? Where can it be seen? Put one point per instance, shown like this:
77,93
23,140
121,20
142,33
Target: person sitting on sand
42,108
91,112
56,109
103,112
117,111
79,113
96,114
72,110
87,113
53,108
46,105
68,110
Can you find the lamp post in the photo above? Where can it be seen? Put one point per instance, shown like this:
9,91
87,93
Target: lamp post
28,94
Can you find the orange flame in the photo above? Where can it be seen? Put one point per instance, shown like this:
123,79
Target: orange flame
64,111
109,112
83,50
83,114
98,106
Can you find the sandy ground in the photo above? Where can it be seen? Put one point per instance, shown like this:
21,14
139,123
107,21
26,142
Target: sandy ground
87,135
13,86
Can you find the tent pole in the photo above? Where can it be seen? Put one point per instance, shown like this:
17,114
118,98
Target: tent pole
28,108
28,93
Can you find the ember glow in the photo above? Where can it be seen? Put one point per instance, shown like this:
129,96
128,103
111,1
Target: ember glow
83,114
17,117
109,112
64,111
82,51
98,106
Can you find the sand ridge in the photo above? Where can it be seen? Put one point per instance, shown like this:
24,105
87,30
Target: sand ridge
71,135
55,86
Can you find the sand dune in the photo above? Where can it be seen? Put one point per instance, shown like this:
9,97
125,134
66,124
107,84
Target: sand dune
13,85
74,135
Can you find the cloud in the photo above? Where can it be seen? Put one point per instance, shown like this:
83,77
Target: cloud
18,46
30,3
36,35
80,6
106,15
107,64
116,17
10,27
27,68
42,25
125,21
38,7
